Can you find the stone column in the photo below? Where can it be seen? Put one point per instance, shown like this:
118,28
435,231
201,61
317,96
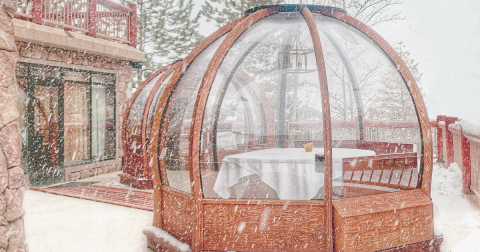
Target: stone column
12,187
124,78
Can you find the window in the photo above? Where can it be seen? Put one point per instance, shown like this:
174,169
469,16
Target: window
68,118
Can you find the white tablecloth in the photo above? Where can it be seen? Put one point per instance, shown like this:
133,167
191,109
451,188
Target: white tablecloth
290,171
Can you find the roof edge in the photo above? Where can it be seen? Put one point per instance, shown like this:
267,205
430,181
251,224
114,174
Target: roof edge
294,8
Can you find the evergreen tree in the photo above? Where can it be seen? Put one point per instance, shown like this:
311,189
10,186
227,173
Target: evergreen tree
394,101
167,31
223,12
412,66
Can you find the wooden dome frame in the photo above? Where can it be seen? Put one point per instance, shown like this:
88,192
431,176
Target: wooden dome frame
193,219
136,170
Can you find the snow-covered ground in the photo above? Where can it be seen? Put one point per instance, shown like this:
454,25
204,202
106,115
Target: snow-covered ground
57,223
460,222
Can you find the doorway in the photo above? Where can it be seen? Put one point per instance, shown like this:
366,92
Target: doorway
45,130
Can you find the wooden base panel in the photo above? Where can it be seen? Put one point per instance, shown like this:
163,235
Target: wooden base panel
382,221
264,227
140,183
430,246
178,214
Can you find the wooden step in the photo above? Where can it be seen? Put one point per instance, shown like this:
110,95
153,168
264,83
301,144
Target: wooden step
116,196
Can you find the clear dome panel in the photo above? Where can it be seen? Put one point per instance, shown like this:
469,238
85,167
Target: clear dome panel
372,110
133,126
177,120
154,105
264,104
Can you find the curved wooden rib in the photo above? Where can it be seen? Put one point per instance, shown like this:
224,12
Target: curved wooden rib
147,171
327,130
229,78
130,103
155,133
159,137
267,109
197,118
427,147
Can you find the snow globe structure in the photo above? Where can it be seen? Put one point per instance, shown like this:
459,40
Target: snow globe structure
137,123
296,127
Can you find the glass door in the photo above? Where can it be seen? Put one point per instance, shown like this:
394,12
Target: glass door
45,130
76,123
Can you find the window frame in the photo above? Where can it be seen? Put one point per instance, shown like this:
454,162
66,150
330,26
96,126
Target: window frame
31,83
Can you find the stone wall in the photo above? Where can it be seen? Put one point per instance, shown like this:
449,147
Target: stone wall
12,186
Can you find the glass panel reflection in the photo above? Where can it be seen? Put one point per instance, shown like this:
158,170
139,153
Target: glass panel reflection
103,122
178,117
133,125
371,110
76,123
263,106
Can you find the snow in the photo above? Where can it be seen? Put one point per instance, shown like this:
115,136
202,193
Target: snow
57,223
470,126
168,238
447,181
456,219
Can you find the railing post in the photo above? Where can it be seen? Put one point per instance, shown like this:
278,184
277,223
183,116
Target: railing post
466,172
440,157
68,16
449,134
92,18
133,25
37,11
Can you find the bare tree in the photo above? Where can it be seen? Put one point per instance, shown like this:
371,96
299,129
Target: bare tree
370,12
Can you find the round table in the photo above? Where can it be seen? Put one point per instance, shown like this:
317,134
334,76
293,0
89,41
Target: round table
289,171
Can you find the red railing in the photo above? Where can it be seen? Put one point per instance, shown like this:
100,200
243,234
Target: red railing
383,131
96,18
455,145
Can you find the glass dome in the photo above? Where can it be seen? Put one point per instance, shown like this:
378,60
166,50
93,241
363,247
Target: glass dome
138,125
290,103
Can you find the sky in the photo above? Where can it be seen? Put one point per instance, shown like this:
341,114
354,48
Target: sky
443,37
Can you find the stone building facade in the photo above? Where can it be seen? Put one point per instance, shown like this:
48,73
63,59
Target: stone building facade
62,96
86,71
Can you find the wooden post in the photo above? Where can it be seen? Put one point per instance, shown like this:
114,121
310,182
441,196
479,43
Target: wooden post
37,11
466,172
92,18
68,16
133,25
449,140
440,157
